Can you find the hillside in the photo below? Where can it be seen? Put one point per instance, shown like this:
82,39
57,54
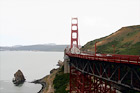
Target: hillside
126,41
39,47
56,82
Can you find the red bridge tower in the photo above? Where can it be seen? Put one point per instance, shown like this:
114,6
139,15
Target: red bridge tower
74,32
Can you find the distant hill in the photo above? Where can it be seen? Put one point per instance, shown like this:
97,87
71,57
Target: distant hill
49,47
126,41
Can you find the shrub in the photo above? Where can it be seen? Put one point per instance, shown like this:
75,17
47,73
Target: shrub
61,81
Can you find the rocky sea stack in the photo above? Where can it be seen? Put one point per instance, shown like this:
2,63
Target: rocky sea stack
18,78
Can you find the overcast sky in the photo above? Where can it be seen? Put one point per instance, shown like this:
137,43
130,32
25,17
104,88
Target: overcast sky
26,22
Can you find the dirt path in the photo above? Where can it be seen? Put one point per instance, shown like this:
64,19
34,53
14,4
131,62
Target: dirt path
49,82
50,87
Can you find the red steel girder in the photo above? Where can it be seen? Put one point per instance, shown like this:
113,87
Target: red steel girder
85,83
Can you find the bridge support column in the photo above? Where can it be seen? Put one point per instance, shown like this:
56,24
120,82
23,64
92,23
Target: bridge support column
72,80
66,66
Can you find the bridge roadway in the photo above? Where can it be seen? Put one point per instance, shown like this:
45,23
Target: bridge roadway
127,59
121,72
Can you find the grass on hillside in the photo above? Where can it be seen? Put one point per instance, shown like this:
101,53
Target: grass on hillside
61,81
126,41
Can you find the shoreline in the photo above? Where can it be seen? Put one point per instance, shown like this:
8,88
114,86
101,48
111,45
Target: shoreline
42,82
47,82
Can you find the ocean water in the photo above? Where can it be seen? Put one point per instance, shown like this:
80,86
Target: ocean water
33,64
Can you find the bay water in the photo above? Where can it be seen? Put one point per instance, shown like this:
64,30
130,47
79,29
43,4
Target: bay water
33,64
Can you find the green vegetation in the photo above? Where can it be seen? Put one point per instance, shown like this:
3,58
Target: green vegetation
61,81
107,48
126,41
133,50
90,45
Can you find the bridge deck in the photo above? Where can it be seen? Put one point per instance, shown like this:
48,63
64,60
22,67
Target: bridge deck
126,59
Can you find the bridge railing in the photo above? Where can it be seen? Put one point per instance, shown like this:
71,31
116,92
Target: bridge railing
129,59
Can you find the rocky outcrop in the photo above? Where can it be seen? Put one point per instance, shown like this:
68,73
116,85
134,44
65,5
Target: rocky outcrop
60,63
18,78
52,70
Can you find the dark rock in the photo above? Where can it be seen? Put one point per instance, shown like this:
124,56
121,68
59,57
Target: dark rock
18,78
52,70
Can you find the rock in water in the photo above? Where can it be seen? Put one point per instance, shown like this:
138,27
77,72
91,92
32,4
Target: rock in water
18,78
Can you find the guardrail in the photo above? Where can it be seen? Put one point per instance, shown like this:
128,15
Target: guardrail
128,59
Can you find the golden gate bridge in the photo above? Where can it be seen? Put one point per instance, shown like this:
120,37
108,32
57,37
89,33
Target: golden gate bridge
101,73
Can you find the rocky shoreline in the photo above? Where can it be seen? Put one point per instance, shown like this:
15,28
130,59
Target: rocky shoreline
47,81
43,83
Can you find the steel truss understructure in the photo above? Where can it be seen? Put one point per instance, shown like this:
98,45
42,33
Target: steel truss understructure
94,76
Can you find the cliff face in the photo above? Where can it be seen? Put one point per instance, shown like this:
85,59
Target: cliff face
57,81
125,41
